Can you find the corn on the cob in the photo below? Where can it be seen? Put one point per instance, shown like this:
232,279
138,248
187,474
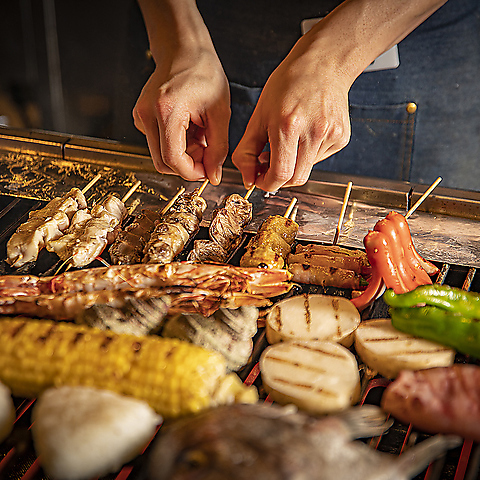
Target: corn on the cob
174,377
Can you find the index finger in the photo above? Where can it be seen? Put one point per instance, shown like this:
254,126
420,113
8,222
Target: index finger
173,146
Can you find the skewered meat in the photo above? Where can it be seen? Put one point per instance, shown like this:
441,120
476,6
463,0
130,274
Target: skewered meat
241,442
89,235
82,432
175,228
437,400
272,243
135,316
326,276
42,226
127,248
227,331
225,231
331,256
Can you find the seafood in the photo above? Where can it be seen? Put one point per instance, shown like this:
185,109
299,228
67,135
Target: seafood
228,331
241,442
225,230
90,232
222,278
42,226
175,228
68,306
136,316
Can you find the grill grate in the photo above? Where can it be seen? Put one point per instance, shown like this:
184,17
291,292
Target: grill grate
17,456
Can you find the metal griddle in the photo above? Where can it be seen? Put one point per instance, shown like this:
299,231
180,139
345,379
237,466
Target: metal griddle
36,166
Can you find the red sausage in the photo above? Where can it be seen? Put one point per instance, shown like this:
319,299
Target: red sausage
412,276
413,257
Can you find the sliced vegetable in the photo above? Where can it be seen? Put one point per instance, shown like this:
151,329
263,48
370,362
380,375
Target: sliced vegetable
312,317
388,351
319,377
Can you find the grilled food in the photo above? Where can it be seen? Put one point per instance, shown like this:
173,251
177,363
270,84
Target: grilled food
319,377
272,243
175,228
388,351
312,317
42,226
225,231
135,317
174,377
240,442
7,412
437,400
82,432
90,233
127,249
227,331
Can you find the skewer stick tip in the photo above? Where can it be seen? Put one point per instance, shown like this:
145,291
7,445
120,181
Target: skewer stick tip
131,191
92,182
424,196
172,200
342,212
202,188
290,207
249,192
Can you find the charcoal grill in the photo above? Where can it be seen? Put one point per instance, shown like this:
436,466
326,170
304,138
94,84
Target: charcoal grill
36,166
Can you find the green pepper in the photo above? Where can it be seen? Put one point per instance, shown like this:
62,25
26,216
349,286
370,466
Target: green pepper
449,298
439,325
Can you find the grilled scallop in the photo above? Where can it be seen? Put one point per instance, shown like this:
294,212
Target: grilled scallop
319,377
313,317
387,350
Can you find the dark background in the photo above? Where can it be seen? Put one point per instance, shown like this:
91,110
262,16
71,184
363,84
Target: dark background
73,67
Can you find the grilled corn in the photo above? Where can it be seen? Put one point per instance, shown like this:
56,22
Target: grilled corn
176,378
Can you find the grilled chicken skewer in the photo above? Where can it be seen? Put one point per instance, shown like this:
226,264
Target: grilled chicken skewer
90,232
273,242
45,225
225,230
176,227
127,249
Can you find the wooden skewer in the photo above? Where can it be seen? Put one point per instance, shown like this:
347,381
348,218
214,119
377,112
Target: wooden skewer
249,192
131,191
424,196
342,213
172,200
290,207
91,183
202,188
293,216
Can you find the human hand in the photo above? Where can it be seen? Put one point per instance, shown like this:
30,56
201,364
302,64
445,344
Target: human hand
184,111
303,114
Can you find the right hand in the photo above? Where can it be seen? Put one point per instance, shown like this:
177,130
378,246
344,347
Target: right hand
184,112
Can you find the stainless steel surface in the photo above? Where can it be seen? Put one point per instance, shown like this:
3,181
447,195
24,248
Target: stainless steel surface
445,228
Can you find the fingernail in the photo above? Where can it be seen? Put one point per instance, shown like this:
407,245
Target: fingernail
218,174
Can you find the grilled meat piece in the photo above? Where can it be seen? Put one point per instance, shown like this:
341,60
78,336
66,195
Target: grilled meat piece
225,231
127,249
91,233
42,226
227,331
175,228
241,442
272,243
135,316
326,276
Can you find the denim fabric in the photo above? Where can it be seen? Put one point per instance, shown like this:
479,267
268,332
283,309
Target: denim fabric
439,71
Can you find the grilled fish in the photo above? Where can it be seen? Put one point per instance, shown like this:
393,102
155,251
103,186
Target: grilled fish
241,442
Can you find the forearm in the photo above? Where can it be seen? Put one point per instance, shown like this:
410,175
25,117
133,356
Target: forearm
358,31
175,29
